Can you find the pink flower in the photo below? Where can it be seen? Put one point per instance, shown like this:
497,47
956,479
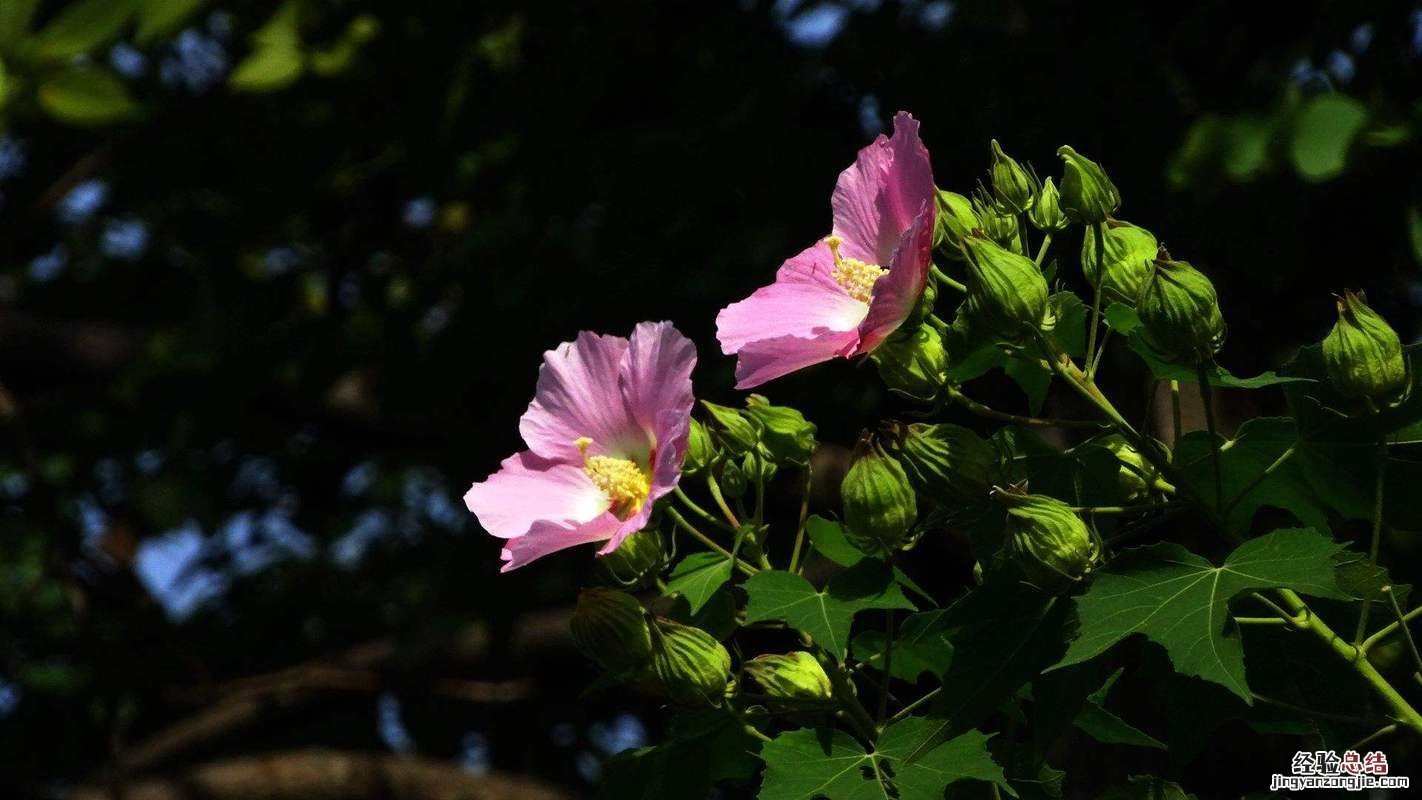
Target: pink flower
845,294
606,433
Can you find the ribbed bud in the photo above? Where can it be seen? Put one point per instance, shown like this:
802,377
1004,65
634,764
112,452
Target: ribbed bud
793,676
1180,313
700,450
640,556
956,220
879,504
997,223
1129,253
1014,187
1137,477
737,431
913,363
785,433
947,463
1362,354
734,480
1006,292
1046,214
610,627
1088,196
1047,541
758,467
689,663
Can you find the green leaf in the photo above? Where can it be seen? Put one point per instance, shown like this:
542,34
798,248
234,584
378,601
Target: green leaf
1084,475
824,615
808,764
1323,134
829,540
159,18
1107,728
1180,601
921,645
1072,315
15,19
1146,787
699,751
267,69
1003,634
1124,320
82,26
86,96
698,576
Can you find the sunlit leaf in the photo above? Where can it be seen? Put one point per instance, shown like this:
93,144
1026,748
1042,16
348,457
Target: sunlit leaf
87,96
1323,134
824,615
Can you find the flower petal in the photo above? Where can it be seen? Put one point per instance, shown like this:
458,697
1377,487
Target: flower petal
578,396
804,302
550,537
896,293
656,375
875,200
768,359
528,490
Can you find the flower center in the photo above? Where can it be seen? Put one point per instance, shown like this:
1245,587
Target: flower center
857,277
624,483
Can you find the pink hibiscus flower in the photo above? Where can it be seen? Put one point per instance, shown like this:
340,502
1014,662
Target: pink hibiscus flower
606,433
845,294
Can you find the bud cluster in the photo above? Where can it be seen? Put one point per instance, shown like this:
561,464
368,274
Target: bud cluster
1047,541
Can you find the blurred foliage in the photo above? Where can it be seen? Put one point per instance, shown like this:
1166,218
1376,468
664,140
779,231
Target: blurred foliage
276,278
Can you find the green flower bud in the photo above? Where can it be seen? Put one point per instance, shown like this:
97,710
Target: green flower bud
1362,354
1130,251
689,663
879,503
913,363
785,433
610,627
947,463
700,450
734,480
1088,196
1137,477
1046,213
923,307
793,676
1047,540
997,223
738,432
1180,313
758,467
1006,292
1014,187
640,556
956,220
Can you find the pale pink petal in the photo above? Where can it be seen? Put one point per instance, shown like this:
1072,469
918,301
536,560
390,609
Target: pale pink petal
550,537
527,490
672,430
803,302
896,293
768,359
656,375
578,396
875,200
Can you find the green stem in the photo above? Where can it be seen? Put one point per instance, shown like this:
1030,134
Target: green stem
1099,232
1263,476
943,279
844,693
804,519
1406,632
1388,630
911,707
691,530
1310,712
1367,609
1175,411
1136,509
703,514
981,410
740,717
1042,251
1282,614
1207,397
721,501
1355,656
1386,730
1022,224
1261,621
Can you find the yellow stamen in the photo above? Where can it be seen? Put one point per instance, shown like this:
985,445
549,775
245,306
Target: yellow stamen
857,277
624,483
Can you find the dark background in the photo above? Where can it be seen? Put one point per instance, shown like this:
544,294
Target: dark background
255,344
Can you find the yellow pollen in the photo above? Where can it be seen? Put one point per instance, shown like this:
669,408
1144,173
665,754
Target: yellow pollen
624,483
857,277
